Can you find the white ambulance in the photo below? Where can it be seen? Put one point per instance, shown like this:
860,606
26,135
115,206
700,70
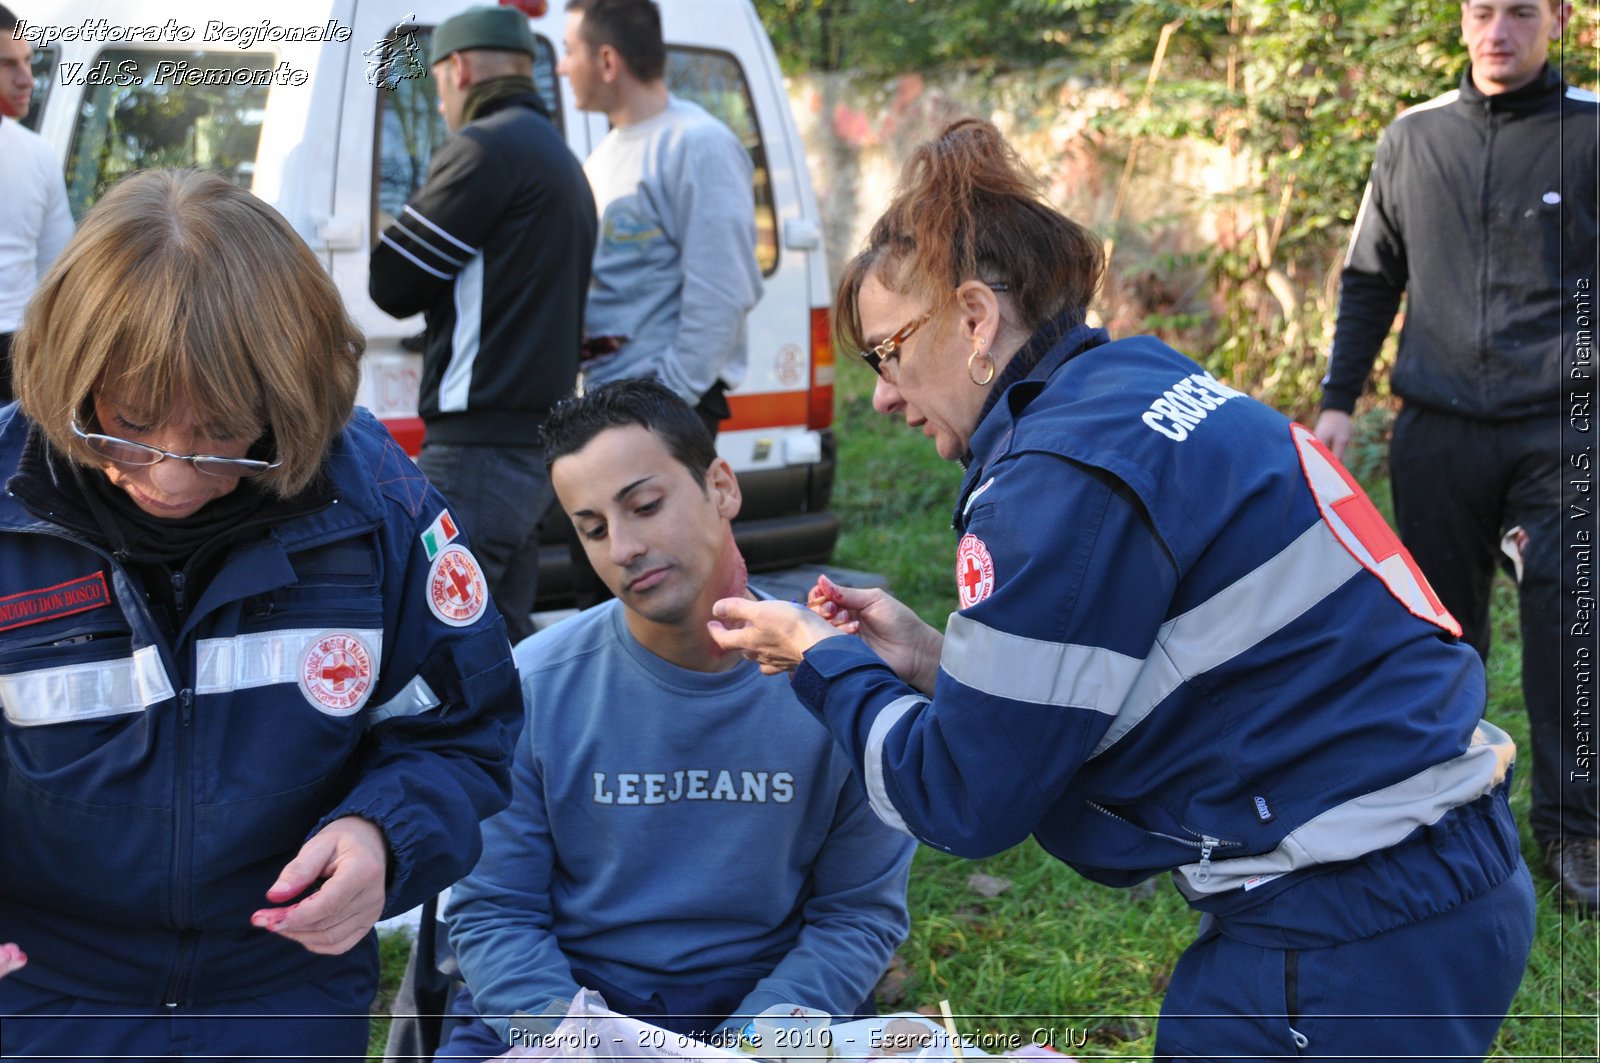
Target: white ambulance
325,109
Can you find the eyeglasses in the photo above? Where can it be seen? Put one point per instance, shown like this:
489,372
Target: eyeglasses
127,452
889,350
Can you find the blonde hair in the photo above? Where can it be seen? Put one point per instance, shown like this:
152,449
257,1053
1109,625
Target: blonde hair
179,284
968,208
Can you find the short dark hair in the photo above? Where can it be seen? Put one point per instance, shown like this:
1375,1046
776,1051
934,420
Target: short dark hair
574,422
8,21
632,27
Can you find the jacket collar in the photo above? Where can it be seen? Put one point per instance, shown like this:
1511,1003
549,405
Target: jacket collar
1062,343
1060,347
1530,97
496,94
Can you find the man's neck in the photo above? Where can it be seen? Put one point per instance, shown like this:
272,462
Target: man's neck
639,102
1495,88
687,642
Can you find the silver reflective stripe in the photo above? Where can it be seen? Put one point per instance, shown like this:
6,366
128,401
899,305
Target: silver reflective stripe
417,698
872,760
267,658
85,691
1370,822
998,663
1235,619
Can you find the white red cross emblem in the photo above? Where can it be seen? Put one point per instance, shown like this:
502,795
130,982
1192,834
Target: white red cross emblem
456,591
1361,529
336,673
974,571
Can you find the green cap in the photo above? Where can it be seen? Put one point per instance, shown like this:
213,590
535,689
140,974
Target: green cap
504,28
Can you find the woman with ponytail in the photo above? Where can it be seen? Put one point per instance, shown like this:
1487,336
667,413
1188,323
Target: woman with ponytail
1186,643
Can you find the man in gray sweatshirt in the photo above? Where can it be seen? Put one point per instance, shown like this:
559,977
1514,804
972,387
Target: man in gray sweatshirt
675,271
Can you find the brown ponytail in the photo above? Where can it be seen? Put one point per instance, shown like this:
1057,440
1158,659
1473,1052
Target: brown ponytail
968,207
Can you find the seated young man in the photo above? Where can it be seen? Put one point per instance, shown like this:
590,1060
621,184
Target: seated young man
680,839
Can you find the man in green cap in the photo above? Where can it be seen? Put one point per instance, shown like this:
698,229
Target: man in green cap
495,251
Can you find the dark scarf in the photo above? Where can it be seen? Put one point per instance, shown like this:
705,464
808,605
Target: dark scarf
489,96
81,500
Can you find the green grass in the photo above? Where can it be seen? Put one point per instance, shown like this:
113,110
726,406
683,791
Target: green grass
1055,950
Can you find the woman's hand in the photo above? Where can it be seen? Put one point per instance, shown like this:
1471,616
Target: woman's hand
11,958
894,632
773,634
351,859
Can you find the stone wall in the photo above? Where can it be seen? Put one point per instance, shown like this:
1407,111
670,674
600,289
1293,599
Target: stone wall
858,132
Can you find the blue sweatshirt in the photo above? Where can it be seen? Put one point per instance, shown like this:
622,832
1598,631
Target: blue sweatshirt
670,827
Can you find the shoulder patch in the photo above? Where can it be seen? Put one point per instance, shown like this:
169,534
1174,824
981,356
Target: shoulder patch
457,594
47,603
974,571
1361,530
439,535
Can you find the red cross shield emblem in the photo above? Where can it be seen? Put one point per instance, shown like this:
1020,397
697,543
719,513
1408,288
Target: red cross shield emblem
336,673
456,591
1361,529
974,571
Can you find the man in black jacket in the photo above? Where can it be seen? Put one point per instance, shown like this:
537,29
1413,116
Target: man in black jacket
1482,209
494,250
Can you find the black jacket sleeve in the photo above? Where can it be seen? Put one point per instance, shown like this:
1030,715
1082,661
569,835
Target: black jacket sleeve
1374,278
442,228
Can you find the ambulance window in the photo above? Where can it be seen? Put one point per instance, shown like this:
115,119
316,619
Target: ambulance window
146,110
44,73
716,82
411,129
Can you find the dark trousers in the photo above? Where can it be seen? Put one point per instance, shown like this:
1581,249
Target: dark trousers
1459,485
1436,989
497,495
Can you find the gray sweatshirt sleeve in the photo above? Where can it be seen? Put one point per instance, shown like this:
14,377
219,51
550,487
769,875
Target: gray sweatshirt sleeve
712,204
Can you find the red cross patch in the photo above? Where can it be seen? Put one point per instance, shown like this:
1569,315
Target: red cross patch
456,591
336,673
1360,529
974,571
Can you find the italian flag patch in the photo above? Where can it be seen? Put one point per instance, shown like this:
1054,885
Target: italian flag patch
439,534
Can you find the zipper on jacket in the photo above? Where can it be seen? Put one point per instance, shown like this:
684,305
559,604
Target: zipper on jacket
1291,994
182,843
1206,843
177,988
180,599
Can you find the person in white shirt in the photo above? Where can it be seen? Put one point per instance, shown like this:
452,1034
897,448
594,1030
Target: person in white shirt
37,222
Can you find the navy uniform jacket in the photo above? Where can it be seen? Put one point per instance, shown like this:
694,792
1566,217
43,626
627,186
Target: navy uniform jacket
1187,642
341,662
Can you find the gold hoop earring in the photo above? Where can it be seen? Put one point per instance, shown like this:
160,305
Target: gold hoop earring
971,359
